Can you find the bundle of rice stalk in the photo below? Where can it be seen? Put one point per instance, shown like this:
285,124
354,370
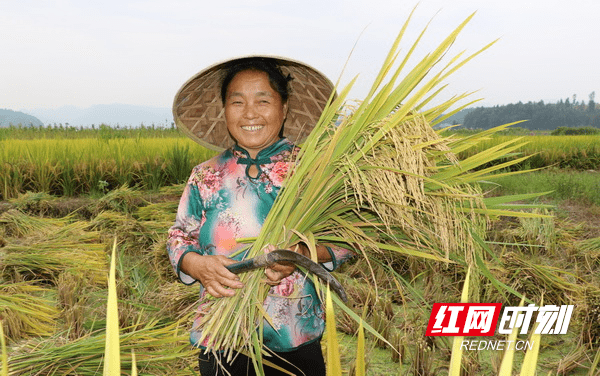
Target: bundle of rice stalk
534,278
374,178
39,202
46,260
123,199
160,349
24,313
18,224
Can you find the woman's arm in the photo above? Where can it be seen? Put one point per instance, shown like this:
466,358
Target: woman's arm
187,257
182,237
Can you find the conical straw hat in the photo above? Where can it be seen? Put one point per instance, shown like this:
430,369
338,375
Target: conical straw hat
199,113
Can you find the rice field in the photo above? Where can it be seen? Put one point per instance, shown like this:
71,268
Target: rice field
63,197
564,152
69,166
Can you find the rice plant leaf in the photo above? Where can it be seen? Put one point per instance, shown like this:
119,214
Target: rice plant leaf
4,353
133,364
474,176
275,366
334,366
112,355
456,356
487,132
256,356
483,269
495,201
357,318
510,173
505,213
360,351
487,155
514,207
412,252
265,314
270,364
453,112
509,354
531,356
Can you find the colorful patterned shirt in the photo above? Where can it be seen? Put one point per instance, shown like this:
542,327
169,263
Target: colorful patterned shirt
222,203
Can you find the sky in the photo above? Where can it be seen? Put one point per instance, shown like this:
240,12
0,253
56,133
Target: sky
57,53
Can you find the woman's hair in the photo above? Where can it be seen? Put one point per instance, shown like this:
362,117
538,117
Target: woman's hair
278,81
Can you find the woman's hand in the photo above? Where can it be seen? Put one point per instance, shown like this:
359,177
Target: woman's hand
280,270
212,273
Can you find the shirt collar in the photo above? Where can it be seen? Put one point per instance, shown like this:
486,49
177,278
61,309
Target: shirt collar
263,156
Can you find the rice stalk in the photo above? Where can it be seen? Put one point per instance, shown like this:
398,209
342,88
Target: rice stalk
111,220
133,364
572,360
540,230
456,355
334,367
590,248
112,355
174,299
72,299
590,305
122,199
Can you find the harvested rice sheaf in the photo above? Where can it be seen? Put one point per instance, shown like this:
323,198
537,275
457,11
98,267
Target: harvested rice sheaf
378,180
25,312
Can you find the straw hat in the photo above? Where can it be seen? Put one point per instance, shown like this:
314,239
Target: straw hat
199,113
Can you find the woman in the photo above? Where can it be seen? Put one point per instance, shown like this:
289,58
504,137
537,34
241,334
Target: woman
229,196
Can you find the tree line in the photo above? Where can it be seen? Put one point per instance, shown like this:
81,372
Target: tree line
538,115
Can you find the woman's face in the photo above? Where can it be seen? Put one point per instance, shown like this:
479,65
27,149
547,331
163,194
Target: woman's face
254,111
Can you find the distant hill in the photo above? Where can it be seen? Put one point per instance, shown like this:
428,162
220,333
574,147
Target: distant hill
109,114
8,117
457,118
537,115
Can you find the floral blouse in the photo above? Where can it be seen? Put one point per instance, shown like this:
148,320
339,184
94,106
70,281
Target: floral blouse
222,203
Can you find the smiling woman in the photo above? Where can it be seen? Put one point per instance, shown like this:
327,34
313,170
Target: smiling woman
229,196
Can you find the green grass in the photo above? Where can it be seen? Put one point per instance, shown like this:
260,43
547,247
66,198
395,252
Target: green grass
581,186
